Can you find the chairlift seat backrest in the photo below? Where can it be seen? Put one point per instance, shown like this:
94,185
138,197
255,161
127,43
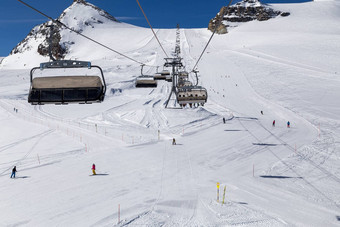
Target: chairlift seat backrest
66,82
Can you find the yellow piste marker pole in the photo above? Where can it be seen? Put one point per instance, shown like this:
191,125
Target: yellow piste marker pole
224,194
218,191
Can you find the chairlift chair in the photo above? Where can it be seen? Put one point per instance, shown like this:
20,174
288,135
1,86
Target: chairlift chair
184,83
159,76
191,95
145,80
165,72
183,79
183,75
66,89
168,78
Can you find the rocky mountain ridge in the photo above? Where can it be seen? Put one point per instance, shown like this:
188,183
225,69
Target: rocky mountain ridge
241,12
79,16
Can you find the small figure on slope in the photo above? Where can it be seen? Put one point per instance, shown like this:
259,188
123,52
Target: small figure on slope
14,170
288,124
223,120
173,141
94,169
274,123
261,112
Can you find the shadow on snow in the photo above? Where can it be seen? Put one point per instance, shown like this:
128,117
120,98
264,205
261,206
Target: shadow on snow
266,144
279,177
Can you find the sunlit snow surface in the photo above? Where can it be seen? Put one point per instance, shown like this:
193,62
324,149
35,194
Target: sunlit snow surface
287,67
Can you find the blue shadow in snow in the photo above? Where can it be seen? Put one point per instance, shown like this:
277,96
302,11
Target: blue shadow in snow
265,144
279,177
242,203
247,118
23,177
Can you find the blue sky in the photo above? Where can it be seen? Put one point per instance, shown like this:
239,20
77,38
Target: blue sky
16,20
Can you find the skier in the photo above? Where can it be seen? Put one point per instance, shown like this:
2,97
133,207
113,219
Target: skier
14,170
173,141
261,112
288,124
274,123
223,120
94,169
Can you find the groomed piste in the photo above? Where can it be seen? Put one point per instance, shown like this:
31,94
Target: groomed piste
286,67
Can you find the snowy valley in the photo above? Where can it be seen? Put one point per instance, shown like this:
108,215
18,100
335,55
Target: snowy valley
287,67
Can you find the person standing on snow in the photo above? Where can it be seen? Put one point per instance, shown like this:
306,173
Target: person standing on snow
14,170
288,124
94,169
173,141
274,123
223,120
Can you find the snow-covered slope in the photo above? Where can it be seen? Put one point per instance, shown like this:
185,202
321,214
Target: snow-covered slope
274,176
82,17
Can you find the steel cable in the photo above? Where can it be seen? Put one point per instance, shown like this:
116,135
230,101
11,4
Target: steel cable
212,35
78,33
151,28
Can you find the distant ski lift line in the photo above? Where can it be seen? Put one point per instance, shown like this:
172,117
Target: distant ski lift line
212,35
62,24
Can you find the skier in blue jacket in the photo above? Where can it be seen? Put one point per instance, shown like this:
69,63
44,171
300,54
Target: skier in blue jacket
14,170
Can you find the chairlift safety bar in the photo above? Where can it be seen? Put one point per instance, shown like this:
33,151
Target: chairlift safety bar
65,64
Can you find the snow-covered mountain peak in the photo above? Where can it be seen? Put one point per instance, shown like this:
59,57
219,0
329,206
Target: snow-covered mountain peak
249,3
80,16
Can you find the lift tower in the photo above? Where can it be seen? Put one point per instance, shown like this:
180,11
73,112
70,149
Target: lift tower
175,63
178,42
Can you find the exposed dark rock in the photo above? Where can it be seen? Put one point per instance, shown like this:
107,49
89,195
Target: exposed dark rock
58,50
245,11
40,33
285,14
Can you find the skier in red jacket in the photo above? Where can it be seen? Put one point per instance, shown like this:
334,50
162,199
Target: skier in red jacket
94,169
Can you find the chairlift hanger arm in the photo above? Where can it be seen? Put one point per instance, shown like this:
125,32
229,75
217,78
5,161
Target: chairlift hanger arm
102,74
31,73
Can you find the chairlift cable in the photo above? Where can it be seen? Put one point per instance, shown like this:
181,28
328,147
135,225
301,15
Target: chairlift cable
78,33
151,28
212,35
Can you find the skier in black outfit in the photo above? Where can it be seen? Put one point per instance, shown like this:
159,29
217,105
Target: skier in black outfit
14,170
223,120
173,141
